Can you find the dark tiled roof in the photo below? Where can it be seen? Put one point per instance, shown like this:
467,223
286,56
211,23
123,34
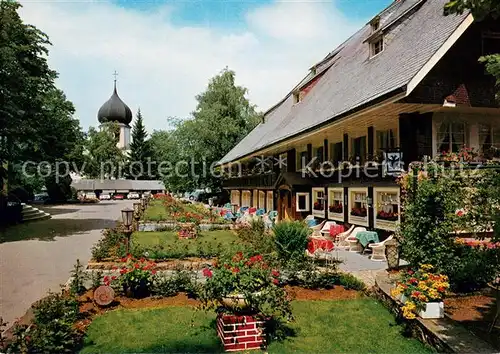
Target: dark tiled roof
413,31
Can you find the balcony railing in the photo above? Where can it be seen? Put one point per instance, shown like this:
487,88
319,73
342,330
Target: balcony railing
266,180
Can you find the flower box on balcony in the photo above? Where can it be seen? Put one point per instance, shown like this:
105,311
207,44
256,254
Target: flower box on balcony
359,212
387,216
336,208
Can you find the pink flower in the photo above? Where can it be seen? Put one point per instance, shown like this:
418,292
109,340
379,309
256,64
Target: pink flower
207,273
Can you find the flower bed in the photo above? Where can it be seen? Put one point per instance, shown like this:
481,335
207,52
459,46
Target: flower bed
336,208
419,289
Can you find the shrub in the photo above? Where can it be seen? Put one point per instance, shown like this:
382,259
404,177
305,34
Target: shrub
437,204
170,285
78,277
291,240
111,245
136,277
349,281
249,277
256,236
52,330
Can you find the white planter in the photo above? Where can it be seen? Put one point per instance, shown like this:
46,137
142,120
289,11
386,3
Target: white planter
432,310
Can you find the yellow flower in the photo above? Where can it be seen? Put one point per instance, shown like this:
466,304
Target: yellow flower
426,267
395,292
422,286
433,294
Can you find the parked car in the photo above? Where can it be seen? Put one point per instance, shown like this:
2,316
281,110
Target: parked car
118,197
104,196
133,195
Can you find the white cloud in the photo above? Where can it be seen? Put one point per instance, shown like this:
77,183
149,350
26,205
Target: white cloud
162,66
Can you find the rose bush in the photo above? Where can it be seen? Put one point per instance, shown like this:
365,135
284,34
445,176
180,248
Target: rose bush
249,278
135,277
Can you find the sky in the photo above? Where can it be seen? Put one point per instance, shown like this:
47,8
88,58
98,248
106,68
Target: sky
165,52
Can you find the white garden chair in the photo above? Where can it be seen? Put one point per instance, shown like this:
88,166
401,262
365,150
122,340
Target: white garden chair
340,239
378,250
325,230
354,245
316,230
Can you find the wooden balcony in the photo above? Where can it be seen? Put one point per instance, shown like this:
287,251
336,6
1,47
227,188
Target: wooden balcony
257,181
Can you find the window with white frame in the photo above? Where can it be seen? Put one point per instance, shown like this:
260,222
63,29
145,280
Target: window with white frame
336,201
262,200
376,46
358,204
319,199
302,202
270,201
451,136
387,205
235,197
489,137
245,199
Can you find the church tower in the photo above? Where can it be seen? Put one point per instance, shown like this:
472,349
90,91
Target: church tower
115,110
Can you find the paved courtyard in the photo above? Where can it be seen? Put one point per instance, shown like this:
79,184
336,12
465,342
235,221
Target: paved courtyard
30,268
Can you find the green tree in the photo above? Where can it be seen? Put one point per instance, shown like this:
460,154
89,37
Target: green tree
103,158
36,119
140,152
223,116
480,9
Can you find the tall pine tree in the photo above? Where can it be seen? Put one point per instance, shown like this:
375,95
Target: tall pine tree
140,152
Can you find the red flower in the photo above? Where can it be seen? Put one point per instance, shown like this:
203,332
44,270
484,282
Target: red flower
410,272
113,277
276,281
143,260
275,273
413,281
123,270
106,280
207,273
137,266
238,257
153,272
236,270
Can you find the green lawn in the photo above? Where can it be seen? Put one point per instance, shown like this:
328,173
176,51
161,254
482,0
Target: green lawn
156,211
166,244
350,326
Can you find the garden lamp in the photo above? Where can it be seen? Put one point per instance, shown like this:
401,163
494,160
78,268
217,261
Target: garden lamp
127,215
137,208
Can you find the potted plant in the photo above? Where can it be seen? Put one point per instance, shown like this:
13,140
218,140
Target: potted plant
245,284
136,277
421,292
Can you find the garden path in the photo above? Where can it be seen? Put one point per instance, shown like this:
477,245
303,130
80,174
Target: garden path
31,266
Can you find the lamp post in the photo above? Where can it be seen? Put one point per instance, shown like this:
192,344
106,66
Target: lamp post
234,209
137,214
127,216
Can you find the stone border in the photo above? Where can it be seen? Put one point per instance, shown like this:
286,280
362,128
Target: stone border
444,334
186,264
171,225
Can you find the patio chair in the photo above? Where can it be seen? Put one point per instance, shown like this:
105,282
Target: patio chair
378,250
340,239
260,212
325,230
354,245
316,230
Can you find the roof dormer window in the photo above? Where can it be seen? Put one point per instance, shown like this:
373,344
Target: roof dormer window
375,24
376,46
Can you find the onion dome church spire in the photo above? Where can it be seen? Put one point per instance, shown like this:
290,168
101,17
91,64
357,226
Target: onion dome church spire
114,109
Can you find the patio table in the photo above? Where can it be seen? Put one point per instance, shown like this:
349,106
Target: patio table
366,237
336,229
318,243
